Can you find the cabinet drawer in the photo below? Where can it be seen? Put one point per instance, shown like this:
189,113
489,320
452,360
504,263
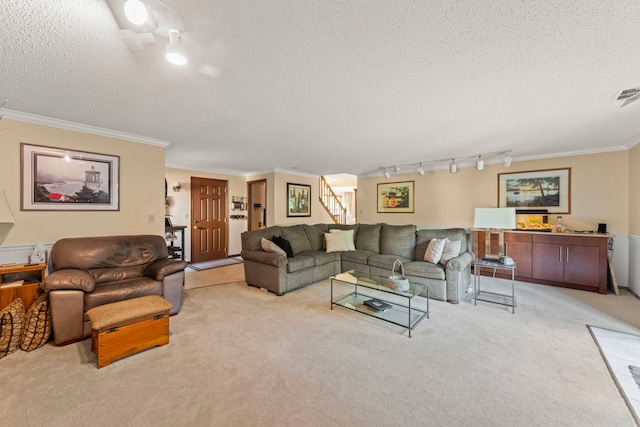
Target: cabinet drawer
560,239
517,237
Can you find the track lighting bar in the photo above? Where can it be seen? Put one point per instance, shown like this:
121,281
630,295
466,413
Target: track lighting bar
453,163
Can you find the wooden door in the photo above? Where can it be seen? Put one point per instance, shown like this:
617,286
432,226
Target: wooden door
582,265
209,228
548,261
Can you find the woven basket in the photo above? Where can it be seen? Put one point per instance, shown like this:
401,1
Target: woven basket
398,282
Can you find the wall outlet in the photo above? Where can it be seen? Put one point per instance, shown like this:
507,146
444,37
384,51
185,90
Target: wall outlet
152,219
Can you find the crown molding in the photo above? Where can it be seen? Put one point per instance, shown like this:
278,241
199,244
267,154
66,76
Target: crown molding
79,127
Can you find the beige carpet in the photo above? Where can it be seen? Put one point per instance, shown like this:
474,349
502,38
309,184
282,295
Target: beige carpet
242,356
214,276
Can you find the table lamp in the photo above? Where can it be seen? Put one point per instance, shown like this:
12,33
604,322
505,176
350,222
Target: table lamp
494,221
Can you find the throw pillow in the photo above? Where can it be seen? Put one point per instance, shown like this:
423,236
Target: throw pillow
434,251
37,326
269,246
335,242
11,320
348,236
284,245
450,251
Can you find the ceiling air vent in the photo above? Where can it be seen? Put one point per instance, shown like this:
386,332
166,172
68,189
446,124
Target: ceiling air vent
628,93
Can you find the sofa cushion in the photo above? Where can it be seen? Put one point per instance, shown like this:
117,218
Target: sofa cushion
270,246
296,235
106,293
251,239
424,236
299,263
398,240
434,250
283,244
368,237
345,227
321,257
37,324
315,234
348,236
385,261
358,256
11,321
336,242
424,269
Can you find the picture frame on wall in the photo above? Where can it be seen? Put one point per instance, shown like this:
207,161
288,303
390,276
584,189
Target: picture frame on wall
298,200
538,189
58,179
396,197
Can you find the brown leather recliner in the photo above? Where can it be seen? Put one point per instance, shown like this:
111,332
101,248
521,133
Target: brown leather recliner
92,271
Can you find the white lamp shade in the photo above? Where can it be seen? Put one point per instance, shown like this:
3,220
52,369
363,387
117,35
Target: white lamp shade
500,218
5,213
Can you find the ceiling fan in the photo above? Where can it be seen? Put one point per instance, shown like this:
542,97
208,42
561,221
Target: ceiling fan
628,96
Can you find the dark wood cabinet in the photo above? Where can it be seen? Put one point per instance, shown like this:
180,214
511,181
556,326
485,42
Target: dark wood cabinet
576,261
567,260
518,247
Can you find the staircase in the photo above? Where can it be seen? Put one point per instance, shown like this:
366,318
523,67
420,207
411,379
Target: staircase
332,203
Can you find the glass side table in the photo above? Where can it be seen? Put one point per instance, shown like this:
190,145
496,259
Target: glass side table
493,297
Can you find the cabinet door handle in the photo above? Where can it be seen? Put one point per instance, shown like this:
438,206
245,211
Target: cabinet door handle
567,255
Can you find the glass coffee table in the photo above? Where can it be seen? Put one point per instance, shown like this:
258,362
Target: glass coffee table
369,286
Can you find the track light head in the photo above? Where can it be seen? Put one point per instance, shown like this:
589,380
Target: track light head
135,11
506,162
386,173
480,163
453,166
420,170
175,53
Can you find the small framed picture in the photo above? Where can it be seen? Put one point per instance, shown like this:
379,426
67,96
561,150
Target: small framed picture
298,200
396,197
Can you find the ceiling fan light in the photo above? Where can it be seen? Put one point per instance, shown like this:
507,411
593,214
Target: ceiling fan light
174,52
135,11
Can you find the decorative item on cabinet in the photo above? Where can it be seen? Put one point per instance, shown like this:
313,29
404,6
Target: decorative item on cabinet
175,252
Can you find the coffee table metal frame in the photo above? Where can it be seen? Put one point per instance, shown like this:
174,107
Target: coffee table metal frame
399,314
493,297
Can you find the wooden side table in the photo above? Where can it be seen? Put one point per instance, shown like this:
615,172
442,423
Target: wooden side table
28,291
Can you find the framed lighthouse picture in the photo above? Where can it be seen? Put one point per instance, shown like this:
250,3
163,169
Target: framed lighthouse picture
57,179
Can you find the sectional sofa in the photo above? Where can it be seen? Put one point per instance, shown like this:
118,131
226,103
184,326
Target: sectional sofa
375,248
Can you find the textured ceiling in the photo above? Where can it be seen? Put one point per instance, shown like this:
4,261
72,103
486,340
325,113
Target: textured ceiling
336,86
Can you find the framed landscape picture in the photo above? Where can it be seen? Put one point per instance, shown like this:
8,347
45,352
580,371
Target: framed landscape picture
57,179
542,189
298,200
396,197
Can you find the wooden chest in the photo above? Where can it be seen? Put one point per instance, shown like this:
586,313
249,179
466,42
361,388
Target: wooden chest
128,327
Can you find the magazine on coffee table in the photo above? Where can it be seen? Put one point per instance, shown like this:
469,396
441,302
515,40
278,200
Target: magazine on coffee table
377,304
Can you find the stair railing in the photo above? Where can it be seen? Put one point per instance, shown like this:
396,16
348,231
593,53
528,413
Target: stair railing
332,203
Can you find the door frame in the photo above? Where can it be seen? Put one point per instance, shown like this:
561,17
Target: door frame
250,209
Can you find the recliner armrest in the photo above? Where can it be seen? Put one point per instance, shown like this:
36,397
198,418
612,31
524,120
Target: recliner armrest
69,279
264,257
160,268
